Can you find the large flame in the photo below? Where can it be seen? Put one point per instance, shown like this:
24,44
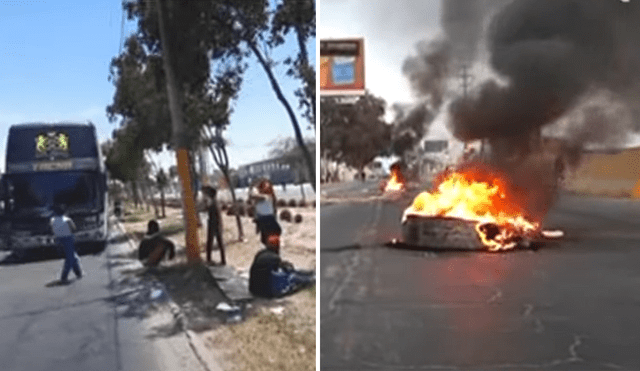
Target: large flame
481,195
395,182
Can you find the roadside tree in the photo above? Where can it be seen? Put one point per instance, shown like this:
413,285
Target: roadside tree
354,133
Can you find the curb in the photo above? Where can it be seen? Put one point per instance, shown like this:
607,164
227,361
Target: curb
179,316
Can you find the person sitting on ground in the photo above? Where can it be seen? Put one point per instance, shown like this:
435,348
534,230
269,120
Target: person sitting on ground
270,276
154,246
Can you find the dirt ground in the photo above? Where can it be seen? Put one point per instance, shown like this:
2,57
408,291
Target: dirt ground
275,334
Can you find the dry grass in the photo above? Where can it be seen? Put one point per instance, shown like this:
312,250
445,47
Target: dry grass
266,341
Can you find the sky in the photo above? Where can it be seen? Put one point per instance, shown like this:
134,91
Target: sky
391,30
54,66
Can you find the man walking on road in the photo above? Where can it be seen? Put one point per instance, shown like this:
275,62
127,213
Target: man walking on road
214,224
63,228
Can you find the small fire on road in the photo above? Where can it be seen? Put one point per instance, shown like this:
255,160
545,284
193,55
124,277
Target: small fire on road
396,180
480,195
636,190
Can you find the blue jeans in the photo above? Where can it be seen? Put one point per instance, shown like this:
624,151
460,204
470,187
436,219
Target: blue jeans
70,258
286,282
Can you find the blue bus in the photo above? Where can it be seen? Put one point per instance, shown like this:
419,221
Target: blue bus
47,165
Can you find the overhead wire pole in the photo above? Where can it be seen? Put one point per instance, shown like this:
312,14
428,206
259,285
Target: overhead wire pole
466,78
182,155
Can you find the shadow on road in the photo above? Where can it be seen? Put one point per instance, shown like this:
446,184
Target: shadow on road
534,246
46,253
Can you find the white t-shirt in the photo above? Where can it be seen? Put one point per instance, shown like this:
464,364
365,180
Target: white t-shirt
263,202
264,207
60,226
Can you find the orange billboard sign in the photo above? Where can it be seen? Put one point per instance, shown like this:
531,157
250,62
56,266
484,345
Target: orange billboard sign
342,66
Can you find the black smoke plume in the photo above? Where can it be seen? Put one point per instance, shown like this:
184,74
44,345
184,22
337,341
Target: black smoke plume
427,72
564,63
552,52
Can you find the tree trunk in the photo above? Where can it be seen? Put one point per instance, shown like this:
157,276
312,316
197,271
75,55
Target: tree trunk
233,200
153,201
164,215
305,62
136,194
222,161
182,156
304,198
287,106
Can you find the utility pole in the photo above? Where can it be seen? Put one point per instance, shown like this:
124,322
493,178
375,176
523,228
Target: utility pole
177,125
465,77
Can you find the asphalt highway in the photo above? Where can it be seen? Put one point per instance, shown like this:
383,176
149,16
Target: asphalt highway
573,304
96,323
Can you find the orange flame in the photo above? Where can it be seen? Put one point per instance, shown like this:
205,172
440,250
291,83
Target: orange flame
481,195
395,182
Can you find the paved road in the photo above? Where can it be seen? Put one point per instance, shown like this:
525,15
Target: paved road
96,323
571,305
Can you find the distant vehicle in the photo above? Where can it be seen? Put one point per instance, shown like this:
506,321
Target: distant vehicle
47,165
377,171
278,171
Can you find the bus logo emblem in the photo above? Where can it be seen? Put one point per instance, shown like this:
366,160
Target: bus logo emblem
52,143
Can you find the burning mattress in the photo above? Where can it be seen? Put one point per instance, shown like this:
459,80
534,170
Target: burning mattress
470,209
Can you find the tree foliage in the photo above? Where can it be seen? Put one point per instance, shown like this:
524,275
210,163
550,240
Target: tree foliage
122,159
209,39
284,147
299,17
354,133
409,127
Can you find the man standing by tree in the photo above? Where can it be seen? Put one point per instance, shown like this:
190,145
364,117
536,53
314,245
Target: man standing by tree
214,224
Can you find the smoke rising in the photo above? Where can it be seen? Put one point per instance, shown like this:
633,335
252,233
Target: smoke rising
430,69
427,72
410,125
463,21
571,67
553,53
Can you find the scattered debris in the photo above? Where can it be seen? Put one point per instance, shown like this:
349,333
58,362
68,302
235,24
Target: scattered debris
552,233
277,310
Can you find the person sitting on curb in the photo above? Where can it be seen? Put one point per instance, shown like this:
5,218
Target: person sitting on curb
154,246
63,228
270,276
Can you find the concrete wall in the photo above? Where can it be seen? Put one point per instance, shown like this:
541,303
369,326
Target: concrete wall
615,173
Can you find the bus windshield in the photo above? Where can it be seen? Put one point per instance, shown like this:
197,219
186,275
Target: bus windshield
75,189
